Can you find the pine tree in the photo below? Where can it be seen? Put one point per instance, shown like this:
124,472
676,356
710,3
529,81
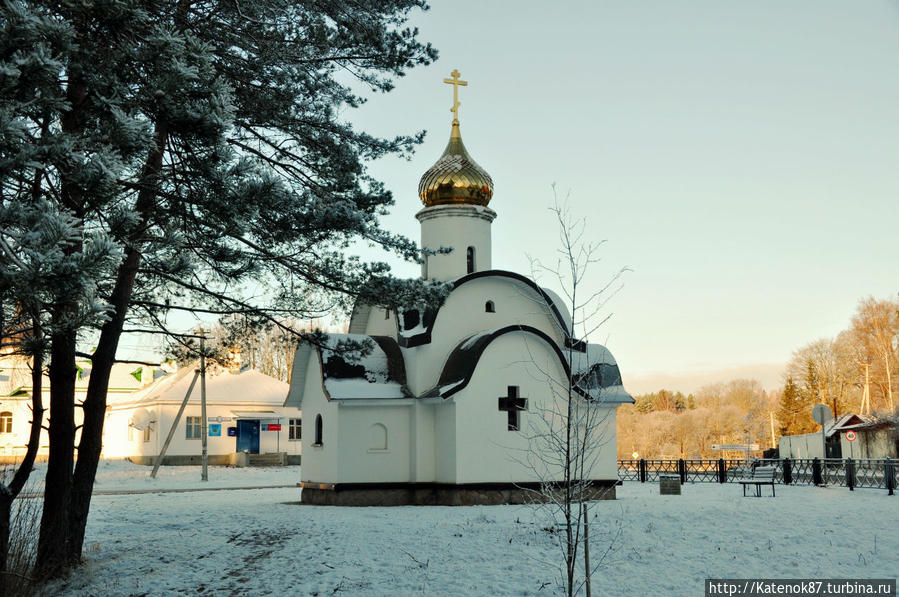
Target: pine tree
200,145
790,401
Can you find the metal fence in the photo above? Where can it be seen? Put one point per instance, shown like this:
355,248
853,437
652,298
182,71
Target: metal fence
863,472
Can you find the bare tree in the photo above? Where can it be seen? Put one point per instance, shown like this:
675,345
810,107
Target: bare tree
567,434
875,332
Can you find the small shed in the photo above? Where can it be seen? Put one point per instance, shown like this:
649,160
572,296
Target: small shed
874,438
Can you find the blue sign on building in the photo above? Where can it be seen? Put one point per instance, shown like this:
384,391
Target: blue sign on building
215,429
232,431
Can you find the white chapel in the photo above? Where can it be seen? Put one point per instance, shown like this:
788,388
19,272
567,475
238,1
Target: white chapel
446,407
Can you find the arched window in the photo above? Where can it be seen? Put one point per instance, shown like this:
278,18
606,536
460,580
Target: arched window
318,430
377,437
470,259
489,307
411,319
6,422
386,313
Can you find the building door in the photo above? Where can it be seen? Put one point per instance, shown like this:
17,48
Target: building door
248,436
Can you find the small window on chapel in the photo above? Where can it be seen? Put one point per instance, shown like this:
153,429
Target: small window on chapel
469,255
318,430
386,313
489,307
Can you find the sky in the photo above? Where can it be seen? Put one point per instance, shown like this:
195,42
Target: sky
739,158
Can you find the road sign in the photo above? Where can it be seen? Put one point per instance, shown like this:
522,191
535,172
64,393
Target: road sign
821,413
740,447
635,455
851,436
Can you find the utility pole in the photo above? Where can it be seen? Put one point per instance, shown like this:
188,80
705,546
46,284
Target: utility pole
866,397
773,440
204,427
171,434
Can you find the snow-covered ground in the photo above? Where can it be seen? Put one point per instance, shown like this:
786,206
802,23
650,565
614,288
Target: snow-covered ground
261,542
121,475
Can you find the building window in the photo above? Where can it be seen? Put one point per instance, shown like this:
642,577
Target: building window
411,319
6,422
470,260
386,313
489,307
194,429
146,433
295,429
318,430
377,438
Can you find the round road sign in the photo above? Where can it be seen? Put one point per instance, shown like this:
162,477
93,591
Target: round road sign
850,436
821,413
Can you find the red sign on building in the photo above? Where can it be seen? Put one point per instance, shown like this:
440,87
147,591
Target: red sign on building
274,427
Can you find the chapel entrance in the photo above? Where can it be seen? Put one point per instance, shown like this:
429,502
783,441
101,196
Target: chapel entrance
248,435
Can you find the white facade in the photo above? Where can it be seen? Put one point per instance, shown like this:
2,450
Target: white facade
452,404
248,403
244,400
465,229
15,400
440,422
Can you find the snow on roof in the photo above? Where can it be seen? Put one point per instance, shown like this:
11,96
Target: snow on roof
221,387
846,422
596,373
350,375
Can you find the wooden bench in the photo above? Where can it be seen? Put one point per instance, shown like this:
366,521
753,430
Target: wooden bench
762,475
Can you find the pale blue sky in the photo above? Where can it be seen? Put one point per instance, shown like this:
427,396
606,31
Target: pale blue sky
740,157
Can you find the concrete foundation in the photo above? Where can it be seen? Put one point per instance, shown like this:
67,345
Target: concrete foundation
435,494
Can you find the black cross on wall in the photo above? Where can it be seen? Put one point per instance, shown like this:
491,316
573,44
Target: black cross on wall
513,405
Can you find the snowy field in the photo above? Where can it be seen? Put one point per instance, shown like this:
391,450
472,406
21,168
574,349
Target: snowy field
261,542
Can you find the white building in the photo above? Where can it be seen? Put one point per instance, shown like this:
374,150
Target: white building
445,407
245,413
15,399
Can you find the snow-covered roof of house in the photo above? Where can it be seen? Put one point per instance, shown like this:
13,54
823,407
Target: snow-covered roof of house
846,422
596,374
350,375
248,386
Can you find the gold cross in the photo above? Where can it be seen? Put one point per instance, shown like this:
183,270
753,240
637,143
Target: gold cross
455,82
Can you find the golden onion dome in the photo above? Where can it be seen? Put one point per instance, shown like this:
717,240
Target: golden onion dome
455,178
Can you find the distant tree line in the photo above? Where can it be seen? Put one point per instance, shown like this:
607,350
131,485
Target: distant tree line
667,424
831,371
